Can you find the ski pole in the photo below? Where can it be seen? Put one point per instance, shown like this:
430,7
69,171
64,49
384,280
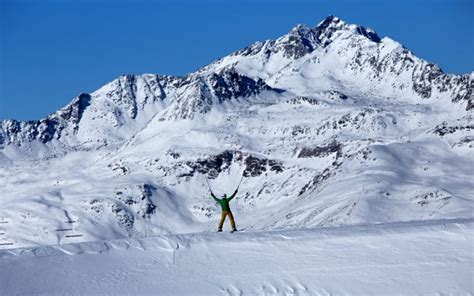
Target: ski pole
207,181
240,182
241,179
208,185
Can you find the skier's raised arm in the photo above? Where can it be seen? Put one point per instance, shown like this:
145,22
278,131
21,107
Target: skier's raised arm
214,197
233,194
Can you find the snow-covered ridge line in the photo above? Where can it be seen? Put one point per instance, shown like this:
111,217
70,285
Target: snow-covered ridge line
115,112
331,51
177,241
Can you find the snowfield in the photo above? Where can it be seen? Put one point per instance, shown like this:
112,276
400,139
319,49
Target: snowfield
412,258
358,168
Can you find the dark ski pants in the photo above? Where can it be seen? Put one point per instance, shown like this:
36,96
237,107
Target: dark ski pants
231,218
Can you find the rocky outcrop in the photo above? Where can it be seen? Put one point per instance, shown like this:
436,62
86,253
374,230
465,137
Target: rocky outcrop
213,165
53,127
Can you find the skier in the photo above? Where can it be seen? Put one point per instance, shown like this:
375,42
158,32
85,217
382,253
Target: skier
224,202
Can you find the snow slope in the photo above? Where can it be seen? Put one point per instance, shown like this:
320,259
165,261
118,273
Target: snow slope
420,258
312,166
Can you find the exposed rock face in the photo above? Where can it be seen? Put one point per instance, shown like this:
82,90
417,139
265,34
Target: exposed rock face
216,164
230,84
321,151
444,128
198,93
44,130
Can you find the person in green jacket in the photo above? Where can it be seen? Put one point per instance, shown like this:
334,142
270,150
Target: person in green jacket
224,202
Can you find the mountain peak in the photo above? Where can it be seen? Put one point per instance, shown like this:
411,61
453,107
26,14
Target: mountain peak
300,29
332,23
330,19
302,39
369,33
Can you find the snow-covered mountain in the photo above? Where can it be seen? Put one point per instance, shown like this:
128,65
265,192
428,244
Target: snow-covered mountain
330,125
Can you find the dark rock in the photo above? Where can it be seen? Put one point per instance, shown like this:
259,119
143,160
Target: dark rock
443,129
229,84
321,151
300,99
123,217
216,164
369,34
147,207
316,181
213,165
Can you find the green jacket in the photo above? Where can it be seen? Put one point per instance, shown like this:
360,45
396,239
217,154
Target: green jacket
224,202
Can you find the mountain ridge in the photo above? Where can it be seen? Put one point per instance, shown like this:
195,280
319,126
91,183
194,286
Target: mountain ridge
427,79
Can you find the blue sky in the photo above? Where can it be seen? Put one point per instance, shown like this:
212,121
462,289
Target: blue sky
50,51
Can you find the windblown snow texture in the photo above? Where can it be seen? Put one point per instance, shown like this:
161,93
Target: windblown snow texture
331,125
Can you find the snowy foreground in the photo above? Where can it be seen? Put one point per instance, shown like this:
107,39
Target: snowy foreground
411,258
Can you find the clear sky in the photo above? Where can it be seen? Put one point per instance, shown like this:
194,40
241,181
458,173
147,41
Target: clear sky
50,51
